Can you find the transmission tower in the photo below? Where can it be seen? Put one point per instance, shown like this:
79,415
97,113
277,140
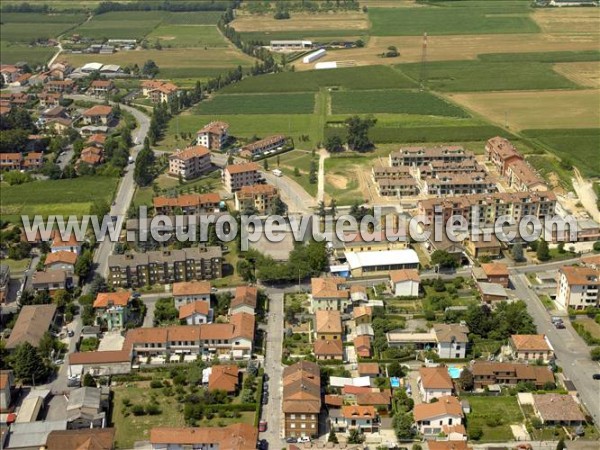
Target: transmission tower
423,75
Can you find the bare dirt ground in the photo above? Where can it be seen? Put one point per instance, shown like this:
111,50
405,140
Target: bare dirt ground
586,194
535,109
337,181
300,21
583,73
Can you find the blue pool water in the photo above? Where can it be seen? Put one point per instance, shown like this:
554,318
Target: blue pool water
395,382
454,372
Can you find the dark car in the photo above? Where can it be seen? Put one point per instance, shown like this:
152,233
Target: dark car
291,440
265,400
263,444
266,377
70,333
560,326
596,376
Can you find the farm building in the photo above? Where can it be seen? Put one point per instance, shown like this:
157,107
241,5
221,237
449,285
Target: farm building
291,45
314,56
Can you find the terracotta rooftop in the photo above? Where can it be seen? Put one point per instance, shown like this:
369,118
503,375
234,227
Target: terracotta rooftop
239,436
98,110
525,342
104,299
302,388
187,200
242,168
375,398
328,348
85,439
397,276
197,307
263,142
33,321
197,151
435,378
223,378
328,321
362,345
359,311
4,378
191,288
451,332
60,257
99,357
495,269
216,127
358,412
581,276
558,407
449,445
368,369
328,287
445,406
245,296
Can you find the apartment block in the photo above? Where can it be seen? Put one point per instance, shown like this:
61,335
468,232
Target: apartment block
159,91
187,204
509,374
236,176
301,399
418,156
454,183
260,197
190,163
213,135
399,187
264,145
578,287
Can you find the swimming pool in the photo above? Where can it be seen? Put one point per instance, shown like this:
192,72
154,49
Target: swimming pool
454,372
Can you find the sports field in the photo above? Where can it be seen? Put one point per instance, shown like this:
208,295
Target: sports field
535,109
295,103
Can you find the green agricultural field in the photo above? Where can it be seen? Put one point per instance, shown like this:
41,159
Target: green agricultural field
472,76
62,197
453,18
193,18
314,35
121,25
27,27
393,101
549,57
579,146
35,56
296,103
246,126
352,78
188,36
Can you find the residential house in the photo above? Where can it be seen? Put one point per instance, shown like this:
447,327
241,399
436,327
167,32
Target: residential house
362,346
558,409
59,125
431,418
10,72
190,163
92,156
491,292
492,273
486,373
531,347
480,248
224,378
159,91
33,161
369,370
362,314
235,176
101,363
259,198
380,400
187,292
112,309
326,349
101,88
86,408
244,300
165,267
188,204
7,382
578,287
98,115
452,340
62,86
328,325
237,436
405,283
60,70
196,313
301,399
49,99
213,135
33,321
85,439
397,187
329,293
418,156
364,419
11,161
263,145
96,140
50,280
61,244
434,382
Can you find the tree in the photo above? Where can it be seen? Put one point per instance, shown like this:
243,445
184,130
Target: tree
334,144
332,207
517,252
475,432
443,259
392,52
395,370
465,380
150,69
266,164
358,132
28,365
355,437
142,173
321,212
297,172
561,247
403,426
312,176
561,444
165,311
83,265
98,284
595,354
542,252
596,246
332,437
88,380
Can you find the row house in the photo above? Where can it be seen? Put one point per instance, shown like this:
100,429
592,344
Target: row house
380,172
236,176
187,204
453,183
489,207
92,156
522,177
263,145
159,91
18,161
400,187
98,115
237,436
578,287
259,198
509,374
213,135
301,403
190,163
62,86
101,88
10,73
14,99
49,99
165,267
418,156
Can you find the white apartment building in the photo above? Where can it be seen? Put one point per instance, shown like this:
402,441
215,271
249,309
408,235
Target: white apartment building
578,287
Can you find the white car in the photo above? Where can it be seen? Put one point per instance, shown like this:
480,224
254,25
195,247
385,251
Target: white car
302,439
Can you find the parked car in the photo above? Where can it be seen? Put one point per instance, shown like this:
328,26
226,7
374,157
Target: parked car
596,376
262,426
559,325
263,444
302,439
266,377
291,440
59,362
71,333
265,400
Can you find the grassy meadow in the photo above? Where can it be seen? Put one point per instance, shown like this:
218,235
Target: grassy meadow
292,103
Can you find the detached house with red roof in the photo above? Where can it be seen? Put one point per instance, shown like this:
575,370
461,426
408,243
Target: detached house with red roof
101,88
98,115
224,378
112,309
196,313
70,244
432,418
245,300
531,347
159,91
186,292
329,293
364,419
213,135
405,282
61,260
190,163
434,382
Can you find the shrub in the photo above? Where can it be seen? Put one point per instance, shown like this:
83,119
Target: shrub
156,384
152,409
138,410
475,433
126,401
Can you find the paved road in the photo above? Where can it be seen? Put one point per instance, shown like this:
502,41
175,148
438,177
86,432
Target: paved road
64,160
272,411
323,155
150,302
572,353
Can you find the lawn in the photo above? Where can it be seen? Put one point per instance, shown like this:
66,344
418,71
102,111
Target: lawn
352,78
61,197
183,35
294,103
121,25
448,18
393,101
16,266
577,145
493,415
469,76
27,27
35,56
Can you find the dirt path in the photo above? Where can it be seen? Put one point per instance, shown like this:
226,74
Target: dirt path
323,155
586,194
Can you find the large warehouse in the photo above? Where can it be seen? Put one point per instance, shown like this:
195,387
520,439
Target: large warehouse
381,262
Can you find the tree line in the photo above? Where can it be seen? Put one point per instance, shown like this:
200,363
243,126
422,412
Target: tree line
213,5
